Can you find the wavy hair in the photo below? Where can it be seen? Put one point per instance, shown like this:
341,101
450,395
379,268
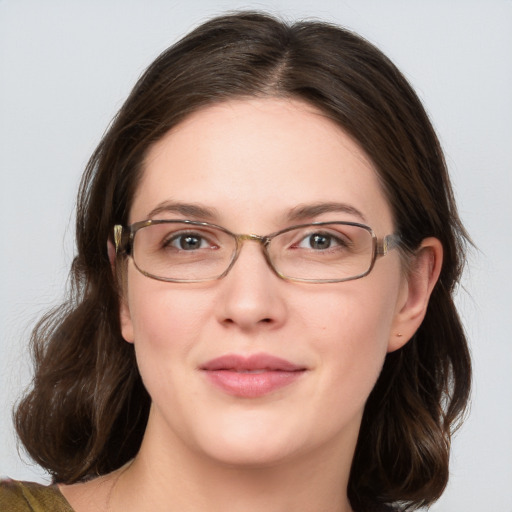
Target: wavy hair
86,410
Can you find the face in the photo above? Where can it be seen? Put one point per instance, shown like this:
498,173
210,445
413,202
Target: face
230,361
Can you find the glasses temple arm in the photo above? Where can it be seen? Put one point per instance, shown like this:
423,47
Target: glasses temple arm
388,243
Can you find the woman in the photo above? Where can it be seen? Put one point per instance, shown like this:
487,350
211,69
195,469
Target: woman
262,315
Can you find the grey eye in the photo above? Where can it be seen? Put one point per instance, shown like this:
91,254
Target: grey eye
319,241
187,242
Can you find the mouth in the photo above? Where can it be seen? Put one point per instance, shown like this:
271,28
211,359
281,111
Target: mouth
251,377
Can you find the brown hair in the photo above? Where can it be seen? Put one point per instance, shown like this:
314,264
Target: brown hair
87,409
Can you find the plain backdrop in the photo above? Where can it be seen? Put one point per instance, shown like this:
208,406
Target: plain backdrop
65,68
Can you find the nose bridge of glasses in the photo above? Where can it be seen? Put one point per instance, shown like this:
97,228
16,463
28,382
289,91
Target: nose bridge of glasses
260,239
255,238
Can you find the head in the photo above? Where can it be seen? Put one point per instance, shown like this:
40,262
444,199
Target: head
330,73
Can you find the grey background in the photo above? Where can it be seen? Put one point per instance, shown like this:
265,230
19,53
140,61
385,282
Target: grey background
65,68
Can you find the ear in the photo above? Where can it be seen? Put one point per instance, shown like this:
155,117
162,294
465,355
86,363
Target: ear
125,320
124,310
425,267
111,251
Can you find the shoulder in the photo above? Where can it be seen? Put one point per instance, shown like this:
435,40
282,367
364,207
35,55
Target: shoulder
18,496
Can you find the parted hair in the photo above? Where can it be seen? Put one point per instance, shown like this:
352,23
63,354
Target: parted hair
86,410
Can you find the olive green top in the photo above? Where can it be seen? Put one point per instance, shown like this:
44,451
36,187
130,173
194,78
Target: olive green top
18,496
31,497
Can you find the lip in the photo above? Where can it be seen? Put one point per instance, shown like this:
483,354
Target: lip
251,376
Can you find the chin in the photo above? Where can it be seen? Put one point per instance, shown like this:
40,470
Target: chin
255,455
259,441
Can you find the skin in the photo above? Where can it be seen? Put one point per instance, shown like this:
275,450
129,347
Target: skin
252,163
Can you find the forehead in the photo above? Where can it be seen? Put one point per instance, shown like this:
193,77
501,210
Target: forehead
259,159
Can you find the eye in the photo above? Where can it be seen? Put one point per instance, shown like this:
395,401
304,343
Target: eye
188,242
320,241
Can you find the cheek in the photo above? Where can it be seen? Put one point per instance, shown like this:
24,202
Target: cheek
354,317
353,330
166,326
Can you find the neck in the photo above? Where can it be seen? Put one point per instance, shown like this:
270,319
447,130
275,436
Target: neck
182,480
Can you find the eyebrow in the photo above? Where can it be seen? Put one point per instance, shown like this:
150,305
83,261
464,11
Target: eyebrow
189,210
308,211
297,214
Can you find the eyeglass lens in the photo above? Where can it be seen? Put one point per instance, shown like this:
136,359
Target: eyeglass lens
184,252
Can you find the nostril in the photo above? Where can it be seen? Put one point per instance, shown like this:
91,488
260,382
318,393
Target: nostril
262,321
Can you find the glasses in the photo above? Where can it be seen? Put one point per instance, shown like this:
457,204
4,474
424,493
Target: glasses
186,251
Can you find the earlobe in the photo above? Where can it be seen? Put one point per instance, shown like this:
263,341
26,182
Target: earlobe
423,274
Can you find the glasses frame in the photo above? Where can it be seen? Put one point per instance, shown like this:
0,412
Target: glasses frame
124,237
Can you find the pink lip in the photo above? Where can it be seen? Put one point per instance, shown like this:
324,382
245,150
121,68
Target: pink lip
253,376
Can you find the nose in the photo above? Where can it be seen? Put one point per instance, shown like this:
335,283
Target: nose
251,295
